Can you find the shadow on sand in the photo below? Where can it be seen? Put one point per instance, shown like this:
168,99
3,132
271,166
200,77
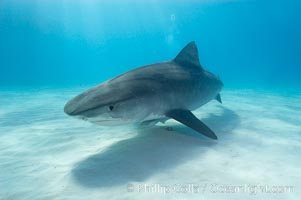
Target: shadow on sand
153,150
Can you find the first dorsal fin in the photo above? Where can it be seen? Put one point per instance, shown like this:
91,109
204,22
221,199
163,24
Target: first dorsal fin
188,56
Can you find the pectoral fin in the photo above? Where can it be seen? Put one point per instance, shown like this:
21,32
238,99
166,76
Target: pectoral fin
187,118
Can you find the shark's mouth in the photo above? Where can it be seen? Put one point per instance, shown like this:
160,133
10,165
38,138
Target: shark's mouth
81,109
108,122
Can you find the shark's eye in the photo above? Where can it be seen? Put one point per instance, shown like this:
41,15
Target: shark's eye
111,108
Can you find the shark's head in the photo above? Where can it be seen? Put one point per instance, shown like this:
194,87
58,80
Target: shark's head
106,104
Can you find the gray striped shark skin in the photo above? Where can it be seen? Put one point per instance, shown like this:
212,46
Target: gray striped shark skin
152,93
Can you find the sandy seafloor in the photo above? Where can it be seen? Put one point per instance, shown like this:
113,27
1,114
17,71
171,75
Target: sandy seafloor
45,154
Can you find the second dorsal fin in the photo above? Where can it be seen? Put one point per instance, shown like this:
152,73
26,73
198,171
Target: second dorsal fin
188,56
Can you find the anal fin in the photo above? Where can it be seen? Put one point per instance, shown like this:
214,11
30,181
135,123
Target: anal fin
187,118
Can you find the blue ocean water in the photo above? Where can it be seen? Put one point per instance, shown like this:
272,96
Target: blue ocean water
248,43
52,50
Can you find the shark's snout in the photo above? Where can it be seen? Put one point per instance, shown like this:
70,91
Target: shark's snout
69,109
75,106
83,105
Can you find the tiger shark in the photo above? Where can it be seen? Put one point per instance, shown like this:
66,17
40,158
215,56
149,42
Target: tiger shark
151,94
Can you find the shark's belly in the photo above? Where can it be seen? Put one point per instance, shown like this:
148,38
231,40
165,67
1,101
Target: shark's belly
190,96
186,96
